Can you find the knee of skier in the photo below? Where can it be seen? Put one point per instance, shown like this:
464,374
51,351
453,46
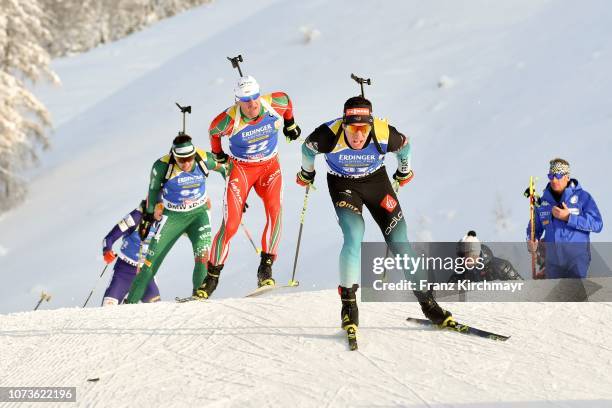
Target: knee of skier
351,223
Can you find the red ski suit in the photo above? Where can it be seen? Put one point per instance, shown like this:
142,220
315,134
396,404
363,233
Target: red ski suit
253,162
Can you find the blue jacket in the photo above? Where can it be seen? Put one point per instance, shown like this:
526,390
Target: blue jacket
584,218
127,229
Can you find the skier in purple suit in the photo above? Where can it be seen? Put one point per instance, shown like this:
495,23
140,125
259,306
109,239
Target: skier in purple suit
126,266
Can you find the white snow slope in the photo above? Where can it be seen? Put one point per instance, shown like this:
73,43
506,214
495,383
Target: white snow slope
268,351
522,82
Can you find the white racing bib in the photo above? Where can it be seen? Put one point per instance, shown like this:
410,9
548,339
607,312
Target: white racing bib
186,205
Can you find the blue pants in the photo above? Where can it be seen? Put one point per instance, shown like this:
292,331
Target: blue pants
375,192
123,275
577,269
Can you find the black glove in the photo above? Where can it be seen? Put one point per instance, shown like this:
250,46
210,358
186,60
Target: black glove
221,157
305,178
538,199
145,225
244,208
291,129
403,178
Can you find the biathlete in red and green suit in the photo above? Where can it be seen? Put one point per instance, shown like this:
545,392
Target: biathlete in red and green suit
252,126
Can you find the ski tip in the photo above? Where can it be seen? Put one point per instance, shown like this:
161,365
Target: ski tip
500,338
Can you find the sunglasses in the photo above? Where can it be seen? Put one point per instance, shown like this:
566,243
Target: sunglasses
365,129
181,160
249,98
558,176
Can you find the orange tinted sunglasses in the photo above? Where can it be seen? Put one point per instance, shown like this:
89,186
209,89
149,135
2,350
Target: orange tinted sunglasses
365,129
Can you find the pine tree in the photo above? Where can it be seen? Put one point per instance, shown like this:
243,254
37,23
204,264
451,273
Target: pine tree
23,118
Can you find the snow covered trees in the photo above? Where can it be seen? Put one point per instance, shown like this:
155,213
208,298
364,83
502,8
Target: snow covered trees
23,118
29,31
78,25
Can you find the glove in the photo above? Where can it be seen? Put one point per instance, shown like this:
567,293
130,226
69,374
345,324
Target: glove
291,129
220,157
145,225
538,199
403,178
244,208
305,178
109,256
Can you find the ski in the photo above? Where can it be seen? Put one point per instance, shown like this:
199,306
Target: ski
351,335
187,299
261,290
461,328
268,288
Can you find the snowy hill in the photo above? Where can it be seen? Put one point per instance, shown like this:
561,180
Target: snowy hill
488,94
267,352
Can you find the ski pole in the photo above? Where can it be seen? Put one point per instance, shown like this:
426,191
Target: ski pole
236,63
532,204
43,297
532,227
248,234
293,282
361,81
94,288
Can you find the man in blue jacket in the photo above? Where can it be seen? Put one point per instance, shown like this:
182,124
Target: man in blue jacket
565,217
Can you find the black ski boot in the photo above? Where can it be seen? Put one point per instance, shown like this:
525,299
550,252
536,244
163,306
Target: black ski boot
349,314
432,310
210,282
264,272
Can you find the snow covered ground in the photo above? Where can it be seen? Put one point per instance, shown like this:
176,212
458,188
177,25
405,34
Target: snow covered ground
488,92
266,351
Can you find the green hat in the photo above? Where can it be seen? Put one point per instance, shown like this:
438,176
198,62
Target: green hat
182,146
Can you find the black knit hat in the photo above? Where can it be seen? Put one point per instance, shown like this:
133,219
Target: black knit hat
358,110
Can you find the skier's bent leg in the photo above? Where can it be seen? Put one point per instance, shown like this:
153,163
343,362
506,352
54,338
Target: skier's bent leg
269,187
200,235
236,193
353,228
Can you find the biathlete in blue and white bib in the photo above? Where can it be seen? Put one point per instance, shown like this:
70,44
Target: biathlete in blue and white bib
178,180
354,147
